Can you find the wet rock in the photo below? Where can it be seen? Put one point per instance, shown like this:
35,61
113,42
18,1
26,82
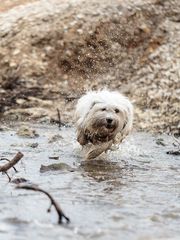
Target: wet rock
155,218
19,180
25,131
56,167
15,221
160,141
55,138
33,145
174,152
54,157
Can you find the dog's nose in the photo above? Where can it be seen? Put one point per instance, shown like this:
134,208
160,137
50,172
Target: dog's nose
109,120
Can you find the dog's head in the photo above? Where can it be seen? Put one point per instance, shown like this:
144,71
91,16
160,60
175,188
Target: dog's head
104,121
102,116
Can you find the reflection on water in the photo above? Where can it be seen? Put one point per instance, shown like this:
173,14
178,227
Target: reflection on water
131,193
104,170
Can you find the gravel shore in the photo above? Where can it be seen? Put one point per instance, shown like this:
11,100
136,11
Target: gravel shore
52,51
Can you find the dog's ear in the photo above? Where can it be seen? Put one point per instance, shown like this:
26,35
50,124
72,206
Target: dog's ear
128,123
90,107
81,137
127,116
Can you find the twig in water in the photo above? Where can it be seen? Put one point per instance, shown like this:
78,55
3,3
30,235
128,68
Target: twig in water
174,152
60,213
59,118
5,159
11,164
7,176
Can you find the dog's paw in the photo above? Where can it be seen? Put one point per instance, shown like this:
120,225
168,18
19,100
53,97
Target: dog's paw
93,153
96,150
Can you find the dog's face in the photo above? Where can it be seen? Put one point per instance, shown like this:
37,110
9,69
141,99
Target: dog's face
104,121
103,116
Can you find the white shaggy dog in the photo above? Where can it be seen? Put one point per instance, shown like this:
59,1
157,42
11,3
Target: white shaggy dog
103,118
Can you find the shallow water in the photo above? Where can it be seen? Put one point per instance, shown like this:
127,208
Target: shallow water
132,193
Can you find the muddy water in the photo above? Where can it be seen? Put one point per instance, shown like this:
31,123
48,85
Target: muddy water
133,193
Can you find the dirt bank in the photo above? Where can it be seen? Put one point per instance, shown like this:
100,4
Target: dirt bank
53,51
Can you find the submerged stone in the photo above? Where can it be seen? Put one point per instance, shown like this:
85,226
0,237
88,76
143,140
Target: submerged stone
25,131
56,167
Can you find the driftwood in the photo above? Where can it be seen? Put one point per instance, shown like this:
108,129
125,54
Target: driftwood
5,159
60,213
4,168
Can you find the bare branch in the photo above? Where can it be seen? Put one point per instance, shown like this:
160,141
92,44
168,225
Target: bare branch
60,213
7,176
11,163
5,159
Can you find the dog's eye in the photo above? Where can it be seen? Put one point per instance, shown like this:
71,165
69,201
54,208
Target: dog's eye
103,109
116,110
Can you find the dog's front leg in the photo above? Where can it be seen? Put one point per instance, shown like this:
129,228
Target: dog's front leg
81,137
96,150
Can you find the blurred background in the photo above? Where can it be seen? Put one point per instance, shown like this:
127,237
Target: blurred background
53,51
